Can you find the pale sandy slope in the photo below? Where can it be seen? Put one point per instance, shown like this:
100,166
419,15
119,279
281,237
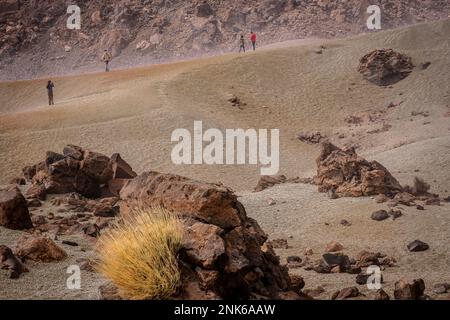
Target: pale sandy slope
289,87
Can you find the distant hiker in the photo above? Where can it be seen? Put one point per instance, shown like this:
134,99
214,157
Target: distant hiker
106,58
50,87
242,44
253,40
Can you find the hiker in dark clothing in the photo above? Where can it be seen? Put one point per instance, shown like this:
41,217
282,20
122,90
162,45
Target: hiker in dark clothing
253,40
50,87
242,44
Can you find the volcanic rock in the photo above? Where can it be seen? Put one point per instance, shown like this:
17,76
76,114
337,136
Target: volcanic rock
266,182
350,175
121,169
409,291
334,246
337,259
39,249
206,202
311,137
380,215
221,242
73,152
203,244
13,209
346,293
379,295
10,262
417,246
385,67
96,166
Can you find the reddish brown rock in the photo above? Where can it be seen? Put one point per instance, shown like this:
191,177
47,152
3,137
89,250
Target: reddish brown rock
36,191
208,278
385,67
86,186
13,209
311,137
59,184
39,249
203,244
350,175
405,198
121,169
297,283
225,253
379,295
266,182
346,293
116,185
96,166
405,290
73,152
333,246
52,157
203,201
66,166
10,262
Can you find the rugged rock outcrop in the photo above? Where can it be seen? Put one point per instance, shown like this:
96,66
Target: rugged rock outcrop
225,252
13,209
88,173
349,175
385,67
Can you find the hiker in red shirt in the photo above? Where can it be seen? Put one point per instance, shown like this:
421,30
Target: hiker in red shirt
253,40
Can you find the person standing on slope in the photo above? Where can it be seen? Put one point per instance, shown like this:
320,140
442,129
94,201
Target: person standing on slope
106,58
50,87
242,44
253,40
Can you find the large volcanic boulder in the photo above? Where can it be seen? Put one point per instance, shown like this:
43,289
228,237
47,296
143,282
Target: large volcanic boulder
352,176
224,252
385,67
13,209
76,170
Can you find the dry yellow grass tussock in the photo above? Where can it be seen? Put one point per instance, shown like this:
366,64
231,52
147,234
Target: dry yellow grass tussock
139,254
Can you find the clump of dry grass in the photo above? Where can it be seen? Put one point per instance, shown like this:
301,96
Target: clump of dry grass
139,254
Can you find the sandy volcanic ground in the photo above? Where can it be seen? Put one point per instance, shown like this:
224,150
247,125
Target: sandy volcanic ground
289,87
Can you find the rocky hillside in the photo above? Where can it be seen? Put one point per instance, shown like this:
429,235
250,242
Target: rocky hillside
34,39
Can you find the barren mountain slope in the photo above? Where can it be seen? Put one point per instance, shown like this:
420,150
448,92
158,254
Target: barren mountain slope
34,38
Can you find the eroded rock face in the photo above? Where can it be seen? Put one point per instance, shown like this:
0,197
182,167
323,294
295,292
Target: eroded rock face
39,249
349,175
225,253
385,67
13,209
88,173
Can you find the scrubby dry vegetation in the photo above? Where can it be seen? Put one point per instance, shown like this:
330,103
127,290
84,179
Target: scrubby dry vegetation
139,254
